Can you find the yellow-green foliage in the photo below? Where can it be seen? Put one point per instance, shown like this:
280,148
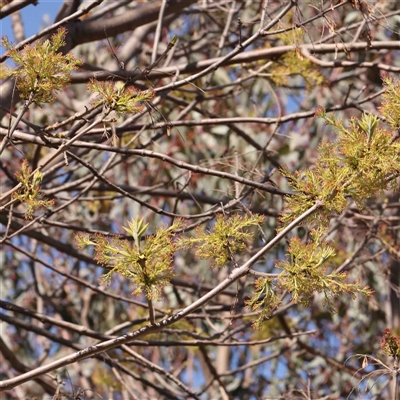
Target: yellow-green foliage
360,164
118,97
292,64
292,36
390,108
30,194
147,265
41,69
227,237
264,300
306,272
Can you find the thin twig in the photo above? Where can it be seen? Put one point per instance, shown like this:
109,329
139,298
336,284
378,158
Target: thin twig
158,31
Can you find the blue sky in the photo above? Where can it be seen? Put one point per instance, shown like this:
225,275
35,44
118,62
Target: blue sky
33,17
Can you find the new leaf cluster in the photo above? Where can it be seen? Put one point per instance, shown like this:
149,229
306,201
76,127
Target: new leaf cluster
41,68
363,162
118,97
147,265
228,236
30,194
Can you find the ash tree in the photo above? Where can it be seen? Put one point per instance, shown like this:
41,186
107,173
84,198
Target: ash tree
199,200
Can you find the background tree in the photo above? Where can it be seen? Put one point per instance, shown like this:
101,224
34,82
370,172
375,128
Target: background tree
199,201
